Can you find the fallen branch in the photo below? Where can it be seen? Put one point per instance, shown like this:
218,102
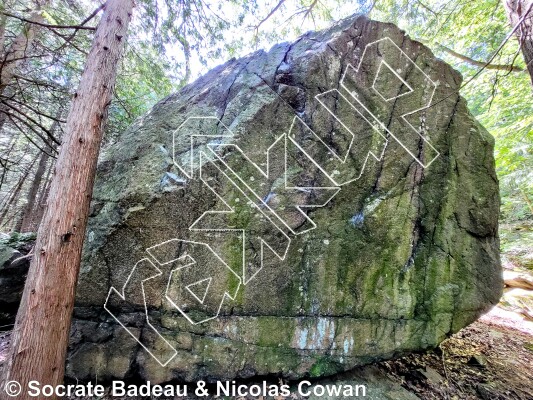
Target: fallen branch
21,258
519,282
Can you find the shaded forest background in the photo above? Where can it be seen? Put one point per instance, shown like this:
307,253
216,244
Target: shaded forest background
44,43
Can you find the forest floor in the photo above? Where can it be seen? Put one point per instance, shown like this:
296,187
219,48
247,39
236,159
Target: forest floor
490,359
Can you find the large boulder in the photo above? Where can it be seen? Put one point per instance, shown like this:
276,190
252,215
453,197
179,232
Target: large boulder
298,212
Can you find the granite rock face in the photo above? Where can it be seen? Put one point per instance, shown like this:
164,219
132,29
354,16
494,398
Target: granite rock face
297,212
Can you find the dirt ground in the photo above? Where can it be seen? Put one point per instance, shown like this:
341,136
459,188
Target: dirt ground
490,359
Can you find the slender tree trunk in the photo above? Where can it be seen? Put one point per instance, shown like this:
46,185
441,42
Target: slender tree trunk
3,19
43,197
20,170
6,161
4,6
4,167
17,51
25,221
14,196
40,336
518,10
14,55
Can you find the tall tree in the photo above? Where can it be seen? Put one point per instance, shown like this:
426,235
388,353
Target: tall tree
28,219
520,13
40,335
15,54
25,221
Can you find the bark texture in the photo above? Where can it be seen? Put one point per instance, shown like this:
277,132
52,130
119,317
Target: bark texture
26,222
521,11
16,53
41,331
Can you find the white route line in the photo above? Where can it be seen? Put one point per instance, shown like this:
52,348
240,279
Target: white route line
403,117
189,172
281,256
266,174
188,287
192,262
397,75
123,298
261,204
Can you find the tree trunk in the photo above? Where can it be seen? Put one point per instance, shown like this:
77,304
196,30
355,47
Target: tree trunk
40,335
6,5
43,196
13,197
25,222
6,161
16,53
28,218
38,212
518,10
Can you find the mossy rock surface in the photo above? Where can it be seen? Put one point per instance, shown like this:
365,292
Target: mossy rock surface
400,257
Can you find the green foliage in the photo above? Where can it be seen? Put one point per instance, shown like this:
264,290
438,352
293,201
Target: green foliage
142,81
17,240
501,100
